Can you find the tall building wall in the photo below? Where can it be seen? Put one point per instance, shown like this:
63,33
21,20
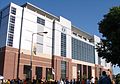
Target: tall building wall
4,25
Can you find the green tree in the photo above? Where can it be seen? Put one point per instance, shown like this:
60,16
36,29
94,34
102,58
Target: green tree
109,26
118,78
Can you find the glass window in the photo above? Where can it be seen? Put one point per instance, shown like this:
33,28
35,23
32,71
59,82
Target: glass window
63,69
89,71
49,73
79,71
13,10
11,31
82,51
84,70
27,71
40,21
11,28
12,19
10,40
63,44
99,61
38,72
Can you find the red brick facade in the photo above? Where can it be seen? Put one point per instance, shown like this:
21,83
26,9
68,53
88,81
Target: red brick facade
9,60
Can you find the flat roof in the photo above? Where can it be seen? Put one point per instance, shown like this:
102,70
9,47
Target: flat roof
40,11
81,32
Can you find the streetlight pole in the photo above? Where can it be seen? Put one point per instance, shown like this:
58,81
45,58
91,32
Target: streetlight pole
38,33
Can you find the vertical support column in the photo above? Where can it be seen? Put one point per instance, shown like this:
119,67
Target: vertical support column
70,70
97,71
67,69
58,69
44,73
15,65
93,72
81,71
86,71
34,72
55,68
21,75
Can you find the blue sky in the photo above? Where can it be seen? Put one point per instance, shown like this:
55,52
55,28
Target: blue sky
84,14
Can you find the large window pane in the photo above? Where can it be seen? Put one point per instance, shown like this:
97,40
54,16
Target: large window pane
63,44
82,51
38,72
48,73
27,71
63,69
40,21
13,10
12,19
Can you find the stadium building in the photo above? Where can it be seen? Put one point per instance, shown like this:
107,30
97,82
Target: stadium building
64,52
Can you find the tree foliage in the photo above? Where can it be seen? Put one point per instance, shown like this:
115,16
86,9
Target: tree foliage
109,26
118,78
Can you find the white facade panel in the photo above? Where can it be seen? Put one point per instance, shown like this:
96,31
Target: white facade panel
96,40
74,72
48,23
29,15
29,26
103,63
93,72
68,47
58,26
109,65
65,22
17,26
57,40
64,26
47,40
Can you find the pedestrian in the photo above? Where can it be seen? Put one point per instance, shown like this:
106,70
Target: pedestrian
96,80
67,81
71,82
78,81
74,82
8,81
88,81
61,81
58,82
104,79
92,80
83,81
12,81
113,82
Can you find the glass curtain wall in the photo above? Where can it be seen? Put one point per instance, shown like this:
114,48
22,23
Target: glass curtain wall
82,51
